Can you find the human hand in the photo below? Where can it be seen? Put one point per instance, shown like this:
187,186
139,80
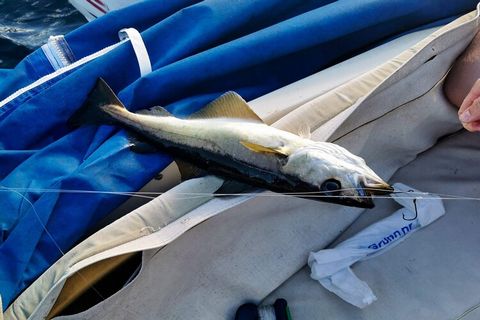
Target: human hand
469,112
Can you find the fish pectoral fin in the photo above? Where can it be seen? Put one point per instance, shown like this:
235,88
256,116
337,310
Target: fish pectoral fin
143,148
155,111
188,170
304,131
140,145
228,105
264,149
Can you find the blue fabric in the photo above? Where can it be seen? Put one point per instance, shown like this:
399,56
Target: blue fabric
198,51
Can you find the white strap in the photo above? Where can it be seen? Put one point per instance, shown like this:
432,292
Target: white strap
139,49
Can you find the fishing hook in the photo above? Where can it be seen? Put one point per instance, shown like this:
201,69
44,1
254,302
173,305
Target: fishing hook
416,210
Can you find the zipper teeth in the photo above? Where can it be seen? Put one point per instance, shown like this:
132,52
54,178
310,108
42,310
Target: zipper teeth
54,43
60,53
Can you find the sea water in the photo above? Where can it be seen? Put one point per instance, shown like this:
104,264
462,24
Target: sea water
26,24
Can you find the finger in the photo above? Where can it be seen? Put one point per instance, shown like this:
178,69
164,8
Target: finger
472,113
472,126
471,96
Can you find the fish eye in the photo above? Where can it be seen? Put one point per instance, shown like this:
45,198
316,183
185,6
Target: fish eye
331,186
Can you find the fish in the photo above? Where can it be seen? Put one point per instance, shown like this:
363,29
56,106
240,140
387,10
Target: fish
226,138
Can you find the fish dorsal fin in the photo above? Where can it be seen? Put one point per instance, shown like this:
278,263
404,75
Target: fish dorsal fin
155,111
282,151
228,105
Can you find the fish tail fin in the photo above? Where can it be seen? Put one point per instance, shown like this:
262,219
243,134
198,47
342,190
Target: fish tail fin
92,111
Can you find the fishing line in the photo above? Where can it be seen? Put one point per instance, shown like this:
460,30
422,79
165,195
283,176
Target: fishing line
146,193
44,227
190,195
47,232
312,194
414,195
122,193
37,216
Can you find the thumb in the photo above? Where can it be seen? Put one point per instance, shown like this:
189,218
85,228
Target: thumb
473,94
472,113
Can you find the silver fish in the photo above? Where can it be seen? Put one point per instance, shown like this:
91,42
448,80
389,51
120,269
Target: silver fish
244,149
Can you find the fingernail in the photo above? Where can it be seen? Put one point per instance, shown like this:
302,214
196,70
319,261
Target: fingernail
465,116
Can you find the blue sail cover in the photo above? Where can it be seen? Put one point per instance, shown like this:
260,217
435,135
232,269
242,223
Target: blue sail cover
198,50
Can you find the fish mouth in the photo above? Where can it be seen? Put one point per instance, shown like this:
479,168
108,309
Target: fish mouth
375,186
362,196
364,203
367,190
